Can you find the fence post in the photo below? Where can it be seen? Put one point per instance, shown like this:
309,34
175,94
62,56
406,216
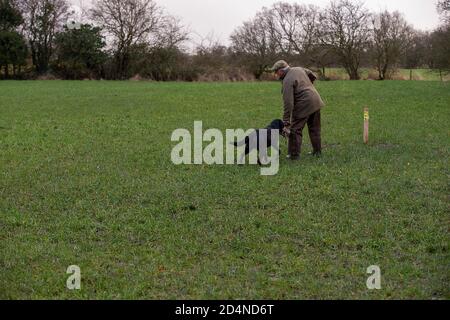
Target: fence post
366,125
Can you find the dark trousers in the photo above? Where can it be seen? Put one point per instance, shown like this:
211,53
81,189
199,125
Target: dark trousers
296,137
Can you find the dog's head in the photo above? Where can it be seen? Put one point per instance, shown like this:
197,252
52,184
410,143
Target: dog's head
277,125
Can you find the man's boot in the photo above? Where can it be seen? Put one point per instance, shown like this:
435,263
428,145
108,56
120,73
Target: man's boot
293,158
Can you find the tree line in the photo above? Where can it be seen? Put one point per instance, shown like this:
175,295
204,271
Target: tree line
138,38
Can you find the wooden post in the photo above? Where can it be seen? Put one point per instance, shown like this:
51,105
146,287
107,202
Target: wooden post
366,125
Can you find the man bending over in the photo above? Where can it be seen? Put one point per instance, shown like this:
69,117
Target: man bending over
302,105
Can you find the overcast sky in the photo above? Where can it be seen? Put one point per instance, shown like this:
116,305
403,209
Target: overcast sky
221,17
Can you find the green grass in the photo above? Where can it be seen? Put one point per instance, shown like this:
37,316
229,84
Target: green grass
86,179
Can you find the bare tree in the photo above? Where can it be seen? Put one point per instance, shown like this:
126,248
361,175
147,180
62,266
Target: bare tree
391,37
322,57
345,29
294,26
43,19
440,49
212,60
127,23
440,40
255,43
443,7
171,34
417,51
210,53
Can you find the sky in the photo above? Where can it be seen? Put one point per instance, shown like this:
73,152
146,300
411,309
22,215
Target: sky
218,18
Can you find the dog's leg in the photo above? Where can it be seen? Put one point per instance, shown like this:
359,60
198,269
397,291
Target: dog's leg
262,155
278,149
242,160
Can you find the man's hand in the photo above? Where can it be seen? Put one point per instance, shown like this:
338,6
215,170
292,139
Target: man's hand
286,132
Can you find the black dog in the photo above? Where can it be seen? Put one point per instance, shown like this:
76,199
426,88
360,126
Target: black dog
252,141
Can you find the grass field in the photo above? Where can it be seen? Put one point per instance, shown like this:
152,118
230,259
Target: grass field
86,179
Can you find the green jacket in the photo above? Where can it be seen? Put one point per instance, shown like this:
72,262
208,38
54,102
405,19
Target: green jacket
300,97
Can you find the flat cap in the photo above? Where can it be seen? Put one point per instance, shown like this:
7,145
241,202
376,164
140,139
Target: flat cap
279,65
